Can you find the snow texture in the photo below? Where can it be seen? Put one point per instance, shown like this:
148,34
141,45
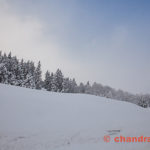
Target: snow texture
40,120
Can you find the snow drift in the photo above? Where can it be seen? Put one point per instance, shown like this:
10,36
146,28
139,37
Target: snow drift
40,120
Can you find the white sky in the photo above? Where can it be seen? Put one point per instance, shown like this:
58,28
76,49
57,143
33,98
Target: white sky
81,39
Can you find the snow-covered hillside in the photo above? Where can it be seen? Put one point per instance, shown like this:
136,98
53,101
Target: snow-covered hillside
40,120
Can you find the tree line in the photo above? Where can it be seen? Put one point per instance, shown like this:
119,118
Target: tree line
26,74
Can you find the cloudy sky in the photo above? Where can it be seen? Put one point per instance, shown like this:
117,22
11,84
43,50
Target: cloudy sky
97,40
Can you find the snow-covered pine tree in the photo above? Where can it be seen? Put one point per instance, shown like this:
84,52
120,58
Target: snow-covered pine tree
143,101
3,69
48,81
3,73
10,69
13,70
37,76
96,88
29,80
66,85
57,81
31,74
54,86
21,73
81,88
73,86
88,88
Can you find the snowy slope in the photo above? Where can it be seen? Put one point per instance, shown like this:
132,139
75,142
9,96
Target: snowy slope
40,120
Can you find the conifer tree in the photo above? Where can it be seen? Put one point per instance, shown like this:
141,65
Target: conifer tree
57,81
48,81
37,76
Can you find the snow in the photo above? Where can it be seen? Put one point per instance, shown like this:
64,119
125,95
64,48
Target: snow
40,120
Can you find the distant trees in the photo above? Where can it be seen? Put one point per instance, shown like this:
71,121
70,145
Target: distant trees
144,100
26,74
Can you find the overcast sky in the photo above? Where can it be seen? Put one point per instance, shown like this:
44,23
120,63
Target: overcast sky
107,41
